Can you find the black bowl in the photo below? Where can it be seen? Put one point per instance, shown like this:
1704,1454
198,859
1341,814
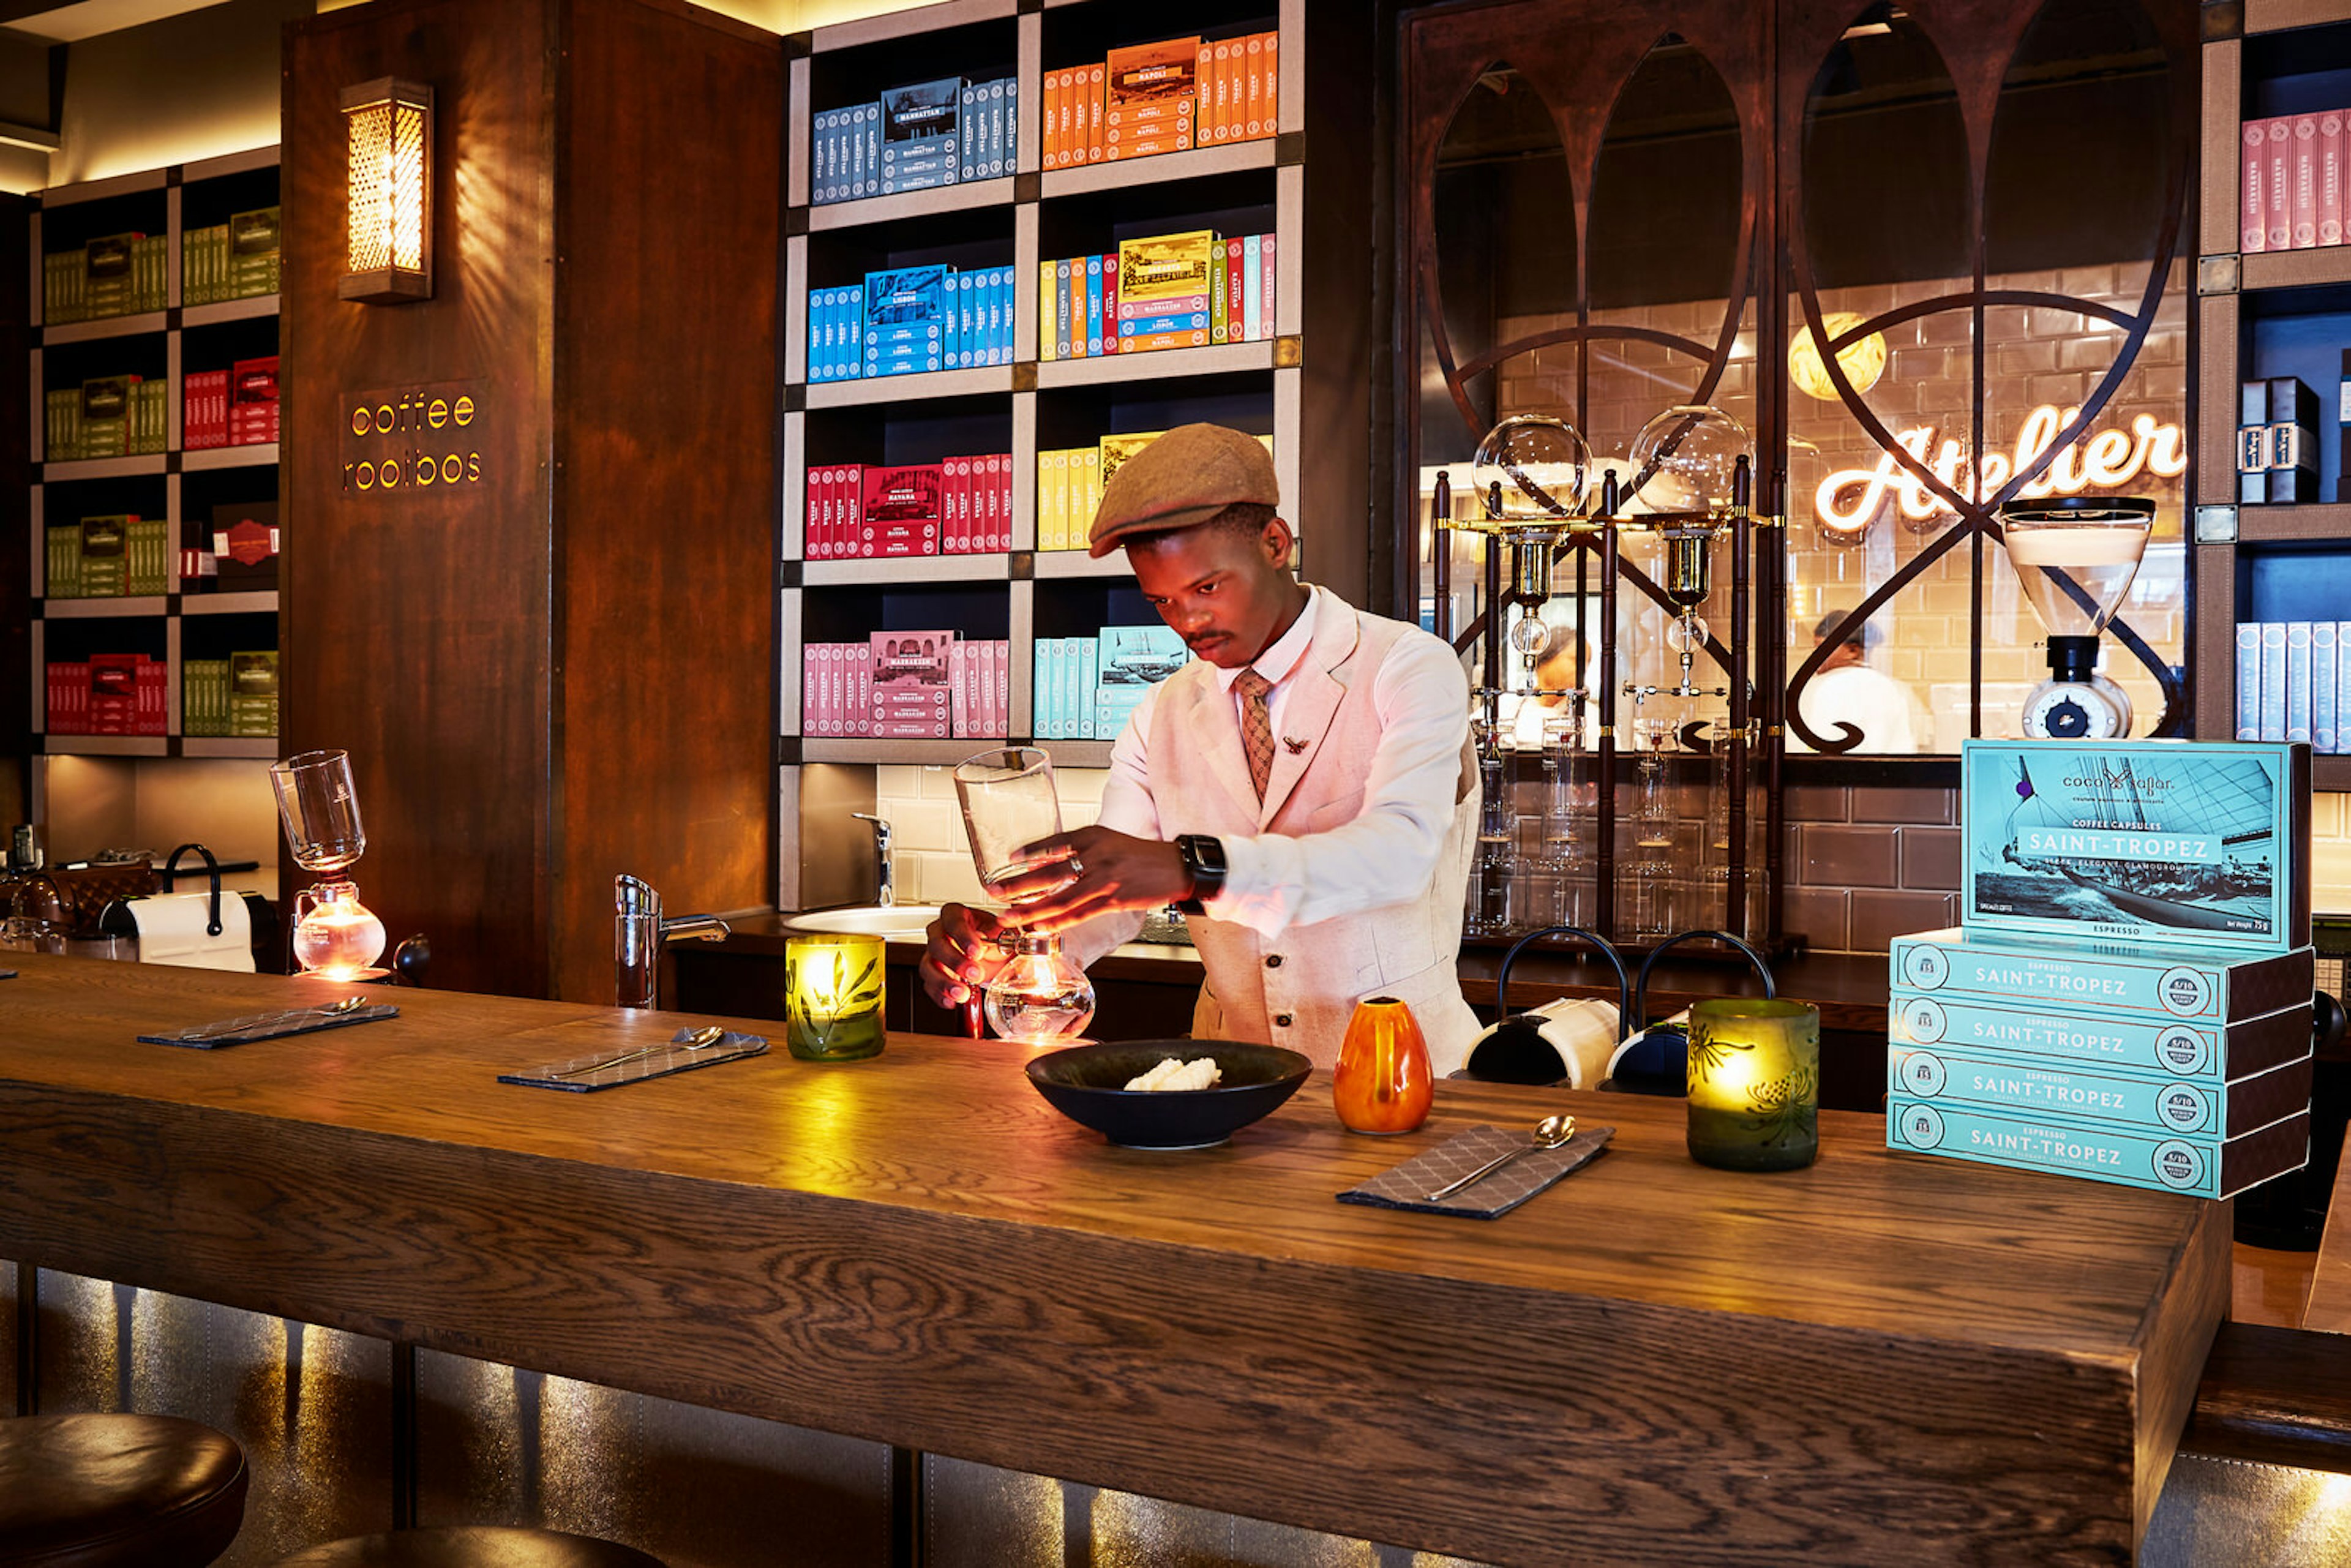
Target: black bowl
1087,1085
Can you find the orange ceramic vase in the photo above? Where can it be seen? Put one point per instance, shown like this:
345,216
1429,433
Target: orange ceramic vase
1383,1083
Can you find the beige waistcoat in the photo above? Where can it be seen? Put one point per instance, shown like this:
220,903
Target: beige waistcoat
1299,988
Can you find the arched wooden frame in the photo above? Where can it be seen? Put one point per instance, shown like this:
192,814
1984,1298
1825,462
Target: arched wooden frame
1578,56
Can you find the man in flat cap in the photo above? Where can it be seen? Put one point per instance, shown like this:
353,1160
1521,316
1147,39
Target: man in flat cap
1304,787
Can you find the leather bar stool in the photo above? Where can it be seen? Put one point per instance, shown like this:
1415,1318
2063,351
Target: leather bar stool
116,1492
473,1546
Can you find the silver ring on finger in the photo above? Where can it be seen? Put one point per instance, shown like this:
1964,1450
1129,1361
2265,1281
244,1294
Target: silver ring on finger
1077,868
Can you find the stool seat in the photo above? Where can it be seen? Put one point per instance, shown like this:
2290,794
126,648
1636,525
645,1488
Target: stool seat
116,1492
471,1546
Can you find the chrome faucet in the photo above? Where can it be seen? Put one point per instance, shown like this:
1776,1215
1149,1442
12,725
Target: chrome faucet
885,882
638,933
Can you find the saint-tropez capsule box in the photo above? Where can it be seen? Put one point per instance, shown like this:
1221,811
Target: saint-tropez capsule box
2198,1166
2198,1053
2144,1102
2190,844
2209,985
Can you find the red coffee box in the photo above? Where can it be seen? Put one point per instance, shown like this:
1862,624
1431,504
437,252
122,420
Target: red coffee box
253,402
2254,202
2330,178
2305,182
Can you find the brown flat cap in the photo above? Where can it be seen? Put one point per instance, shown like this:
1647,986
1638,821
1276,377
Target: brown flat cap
1186,477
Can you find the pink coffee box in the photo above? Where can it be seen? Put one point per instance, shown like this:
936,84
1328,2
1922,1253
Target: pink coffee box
2330,178
2305,182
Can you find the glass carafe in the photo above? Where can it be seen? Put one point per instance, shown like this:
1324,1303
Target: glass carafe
1650,879
334,934
1492,873
1569,823
1037,997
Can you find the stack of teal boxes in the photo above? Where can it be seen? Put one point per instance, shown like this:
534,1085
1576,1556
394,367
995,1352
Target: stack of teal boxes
2127,997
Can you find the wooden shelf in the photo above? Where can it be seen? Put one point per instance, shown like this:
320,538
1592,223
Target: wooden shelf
994,567
905,24
263,745
1164,364
2295,269
857,749
146,321
258,602
1076,563
105,746
2316,522
74,469
102,190
961,198
861,392
101,608
251,307
2284,16
1199,164
210,458
1077,753
2331,774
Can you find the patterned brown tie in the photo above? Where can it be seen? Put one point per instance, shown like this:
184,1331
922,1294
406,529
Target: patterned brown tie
1256,726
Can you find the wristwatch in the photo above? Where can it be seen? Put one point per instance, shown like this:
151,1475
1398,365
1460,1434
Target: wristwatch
1204,863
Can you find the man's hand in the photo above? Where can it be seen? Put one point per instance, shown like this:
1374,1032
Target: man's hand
962,952
1091,872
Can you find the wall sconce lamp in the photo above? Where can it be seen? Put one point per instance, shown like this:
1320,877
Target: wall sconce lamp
390,126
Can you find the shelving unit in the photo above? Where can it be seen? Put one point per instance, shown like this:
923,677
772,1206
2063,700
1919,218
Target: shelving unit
2263,314
1269,386
152,343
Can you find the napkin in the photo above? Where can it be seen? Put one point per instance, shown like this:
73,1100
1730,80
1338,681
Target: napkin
269,1026
659,1062
1407,1186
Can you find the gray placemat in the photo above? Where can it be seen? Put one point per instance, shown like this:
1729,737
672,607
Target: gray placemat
1407,1186
270,1026
7,973
597,1070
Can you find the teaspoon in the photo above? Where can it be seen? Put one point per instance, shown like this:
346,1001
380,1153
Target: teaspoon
1549,1134
709,1034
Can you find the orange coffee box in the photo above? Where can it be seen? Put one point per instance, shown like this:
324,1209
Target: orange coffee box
1093,90
1253,103
1273,81
1050,121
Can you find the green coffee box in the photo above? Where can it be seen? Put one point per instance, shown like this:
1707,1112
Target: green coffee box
2189,843
2146,1102
2199,1167
105,557
2202,1053
2211,985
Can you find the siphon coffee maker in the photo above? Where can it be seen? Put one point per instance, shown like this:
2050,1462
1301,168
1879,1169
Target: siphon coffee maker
1008,801
335,934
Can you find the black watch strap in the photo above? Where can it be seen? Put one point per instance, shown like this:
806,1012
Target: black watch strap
1204,863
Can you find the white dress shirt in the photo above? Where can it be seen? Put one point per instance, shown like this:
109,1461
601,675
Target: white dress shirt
1388,852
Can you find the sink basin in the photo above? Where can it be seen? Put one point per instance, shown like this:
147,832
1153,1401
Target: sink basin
899,922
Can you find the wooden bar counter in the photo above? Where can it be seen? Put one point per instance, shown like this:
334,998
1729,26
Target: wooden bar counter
1881,1359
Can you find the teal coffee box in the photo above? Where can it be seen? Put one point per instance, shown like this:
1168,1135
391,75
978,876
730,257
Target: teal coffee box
2197,1166
2201,1052
2189,844
2138,1102
2161,982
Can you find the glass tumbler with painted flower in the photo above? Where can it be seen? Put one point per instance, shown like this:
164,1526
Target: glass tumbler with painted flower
1009,802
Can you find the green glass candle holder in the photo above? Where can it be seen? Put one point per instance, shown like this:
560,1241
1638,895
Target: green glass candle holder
1754,1084
833,998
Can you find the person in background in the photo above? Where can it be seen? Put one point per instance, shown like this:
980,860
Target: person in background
1846,689
1304,785
1523,717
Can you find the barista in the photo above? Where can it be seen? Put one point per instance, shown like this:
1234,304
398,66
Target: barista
1304,785
1846,688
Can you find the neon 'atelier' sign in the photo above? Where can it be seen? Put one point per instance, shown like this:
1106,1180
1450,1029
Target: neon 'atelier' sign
1851,499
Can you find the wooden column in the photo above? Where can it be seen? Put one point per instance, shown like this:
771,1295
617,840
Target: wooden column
550,664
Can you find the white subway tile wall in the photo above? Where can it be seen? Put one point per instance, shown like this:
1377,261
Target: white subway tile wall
934,858
1866,864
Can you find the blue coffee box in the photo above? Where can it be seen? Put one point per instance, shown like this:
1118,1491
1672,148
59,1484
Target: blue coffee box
2202,1053
2144,980
2199,1167
906,295
2143,1101
2189,843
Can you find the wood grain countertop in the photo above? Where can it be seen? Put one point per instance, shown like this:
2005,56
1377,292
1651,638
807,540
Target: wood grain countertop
1881,1358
